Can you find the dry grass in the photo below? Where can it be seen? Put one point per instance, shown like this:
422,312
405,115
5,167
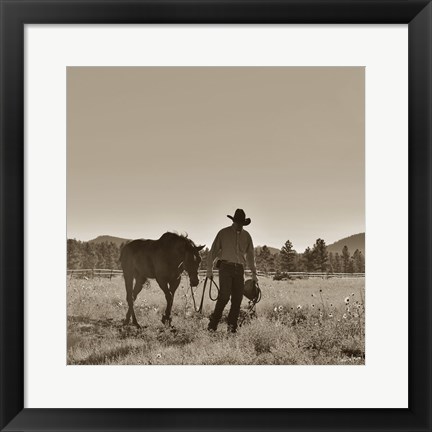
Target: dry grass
299,322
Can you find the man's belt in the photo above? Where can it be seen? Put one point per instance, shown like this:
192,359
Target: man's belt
229,263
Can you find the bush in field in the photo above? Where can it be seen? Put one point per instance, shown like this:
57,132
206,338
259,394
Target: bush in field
279,275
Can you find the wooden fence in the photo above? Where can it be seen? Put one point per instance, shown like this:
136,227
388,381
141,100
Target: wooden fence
110,273
299,275
322,275
91,273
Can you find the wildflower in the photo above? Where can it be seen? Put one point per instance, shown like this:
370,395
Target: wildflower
299,307
330,315
331,304
347,299
321,314
344,316
158,356
313,295
352,294
320,290
312,306
280,308
275,309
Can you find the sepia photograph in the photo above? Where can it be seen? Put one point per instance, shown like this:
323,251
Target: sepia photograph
216,216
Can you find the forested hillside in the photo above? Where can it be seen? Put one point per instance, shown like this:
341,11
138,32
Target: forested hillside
102,254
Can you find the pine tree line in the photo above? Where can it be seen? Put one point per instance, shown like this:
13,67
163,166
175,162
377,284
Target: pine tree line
105,255
318,259
86,255
315,259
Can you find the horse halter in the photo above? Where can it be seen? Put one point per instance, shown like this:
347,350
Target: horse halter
181,266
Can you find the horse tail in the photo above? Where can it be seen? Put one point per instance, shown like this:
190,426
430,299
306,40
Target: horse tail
123,254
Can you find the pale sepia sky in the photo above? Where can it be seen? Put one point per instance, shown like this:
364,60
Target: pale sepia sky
169,148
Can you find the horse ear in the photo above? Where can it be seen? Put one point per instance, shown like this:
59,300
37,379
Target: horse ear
198,248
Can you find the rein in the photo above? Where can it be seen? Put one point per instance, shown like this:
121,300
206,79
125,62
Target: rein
212,282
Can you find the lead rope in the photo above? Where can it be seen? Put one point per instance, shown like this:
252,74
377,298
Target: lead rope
212,282
252,303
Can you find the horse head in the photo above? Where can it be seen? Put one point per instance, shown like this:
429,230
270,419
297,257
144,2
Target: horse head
191,263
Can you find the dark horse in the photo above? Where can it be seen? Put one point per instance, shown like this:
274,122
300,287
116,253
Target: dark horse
164,260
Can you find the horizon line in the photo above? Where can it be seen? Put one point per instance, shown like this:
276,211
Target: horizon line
256,246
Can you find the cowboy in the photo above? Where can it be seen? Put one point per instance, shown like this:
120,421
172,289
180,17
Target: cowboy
234,248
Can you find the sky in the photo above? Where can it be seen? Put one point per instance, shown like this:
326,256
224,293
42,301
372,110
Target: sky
155,149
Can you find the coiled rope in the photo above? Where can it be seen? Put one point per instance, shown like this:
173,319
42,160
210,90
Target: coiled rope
212,282
249,311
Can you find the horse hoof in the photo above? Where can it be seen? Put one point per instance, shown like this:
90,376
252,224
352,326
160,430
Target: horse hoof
137,325
126,322
166,320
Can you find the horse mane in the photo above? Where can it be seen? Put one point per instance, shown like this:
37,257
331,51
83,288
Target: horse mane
173,236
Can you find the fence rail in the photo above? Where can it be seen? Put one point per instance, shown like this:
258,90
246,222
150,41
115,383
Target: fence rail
298,274
91,273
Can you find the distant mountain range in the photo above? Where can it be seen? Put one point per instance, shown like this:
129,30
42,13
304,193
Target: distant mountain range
110,239
356,241
272,250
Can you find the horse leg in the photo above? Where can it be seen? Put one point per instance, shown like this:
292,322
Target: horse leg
139,282
128,283
166,318
173,285
130,301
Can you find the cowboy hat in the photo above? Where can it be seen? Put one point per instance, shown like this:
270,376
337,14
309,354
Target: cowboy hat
252,290
240,217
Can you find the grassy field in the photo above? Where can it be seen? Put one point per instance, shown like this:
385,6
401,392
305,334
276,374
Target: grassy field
314,321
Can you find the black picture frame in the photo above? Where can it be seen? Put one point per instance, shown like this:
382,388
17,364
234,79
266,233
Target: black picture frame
15,14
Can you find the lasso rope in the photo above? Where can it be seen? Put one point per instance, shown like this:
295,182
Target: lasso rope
252,303
212,282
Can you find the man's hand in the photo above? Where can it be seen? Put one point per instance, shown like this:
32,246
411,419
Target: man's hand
209,274
254,277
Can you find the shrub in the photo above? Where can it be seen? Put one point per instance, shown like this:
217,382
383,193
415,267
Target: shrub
281,276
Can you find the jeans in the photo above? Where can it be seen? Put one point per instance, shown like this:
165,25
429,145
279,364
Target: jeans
231,284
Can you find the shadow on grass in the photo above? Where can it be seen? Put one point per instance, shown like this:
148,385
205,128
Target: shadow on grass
100,328
107,355
78,320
